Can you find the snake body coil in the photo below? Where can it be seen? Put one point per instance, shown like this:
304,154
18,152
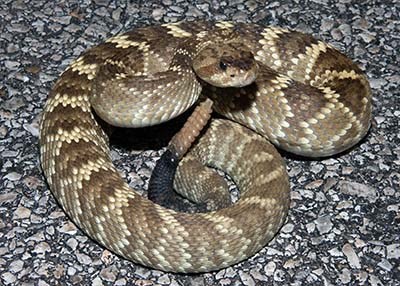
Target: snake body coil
306,98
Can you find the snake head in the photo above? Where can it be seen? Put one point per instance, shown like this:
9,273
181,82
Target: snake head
226,65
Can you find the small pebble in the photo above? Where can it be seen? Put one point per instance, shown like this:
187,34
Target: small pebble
351,255
324,224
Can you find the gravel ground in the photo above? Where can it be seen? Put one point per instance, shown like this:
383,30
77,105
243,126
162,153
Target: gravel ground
343,226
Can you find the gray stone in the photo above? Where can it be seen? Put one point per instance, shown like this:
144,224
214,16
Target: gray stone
258,275
367,37
164,279
42,248
317,168
71,271
279,275
197,281
287,228
43,283
157,14
324,224
345,276
18,27
68,227
385,265
109,274
12,65
13,176
374,280
335,252
8,278
344,205
194,12
246,279
72,243
337,34
345,29
270,268
97,282
120,282
7,197
12,48
83,258
310,227
317,240
357,189
22,213
359,243
16,266
393,251
351,256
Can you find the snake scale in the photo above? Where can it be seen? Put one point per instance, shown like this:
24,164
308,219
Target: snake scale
298,92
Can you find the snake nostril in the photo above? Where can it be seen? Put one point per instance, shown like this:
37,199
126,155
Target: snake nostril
232,75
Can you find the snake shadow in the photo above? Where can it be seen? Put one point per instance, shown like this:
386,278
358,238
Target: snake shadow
144,138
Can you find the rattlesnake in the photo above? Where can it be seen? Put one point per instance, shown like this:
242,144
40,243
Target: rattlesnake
307,98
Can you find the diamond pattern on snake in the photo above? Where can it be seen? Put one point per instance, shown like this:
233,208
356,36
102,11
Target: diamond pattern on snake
271,86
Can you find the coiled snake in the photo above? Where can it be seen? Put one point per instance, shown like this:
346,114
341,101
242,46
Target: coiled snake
299,93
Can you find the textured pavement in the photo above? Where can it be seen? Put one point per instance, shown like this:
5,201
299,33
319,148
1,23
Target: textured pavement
343,225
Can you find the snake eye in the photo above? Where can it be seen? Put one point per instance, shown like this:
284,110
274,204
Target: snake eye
223,66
